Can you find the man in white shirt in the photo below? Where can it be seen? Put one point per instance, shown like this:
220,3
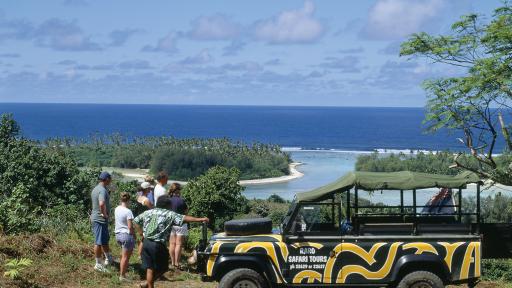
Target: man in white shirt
160,188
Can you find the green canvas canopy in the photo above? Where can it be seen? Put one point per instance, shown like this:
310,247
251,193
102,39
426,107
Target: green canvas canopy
404,180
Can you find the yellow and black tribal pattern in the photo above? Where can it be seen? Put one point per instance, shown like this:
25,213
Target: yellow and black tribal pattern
366,261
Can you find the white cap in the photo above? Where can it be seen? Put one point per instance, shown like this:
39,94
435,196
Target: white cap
145,185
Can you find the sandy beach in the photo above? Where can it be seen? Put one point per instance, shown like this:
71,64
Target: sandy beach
138,174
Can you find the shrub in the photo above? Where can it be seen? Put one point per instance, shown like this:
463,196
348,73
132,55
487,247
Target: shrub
216,194
276,199
260,207
195,235
14,267
277,216
64,220
34,179
497,270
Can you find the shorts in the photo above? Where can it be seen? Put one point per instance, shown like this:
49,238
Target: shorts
126,241
100,232
180,230
155,256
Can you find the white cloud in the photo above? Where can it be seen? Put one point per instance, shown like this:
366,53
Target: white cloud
167,44
215,27
293,26
204,57
395,19
63,35
347,64
233,48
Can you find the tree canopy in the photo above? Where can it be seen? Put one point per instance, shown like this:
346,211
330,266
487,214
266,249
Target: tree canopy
183,159
216,194
35,179
478,100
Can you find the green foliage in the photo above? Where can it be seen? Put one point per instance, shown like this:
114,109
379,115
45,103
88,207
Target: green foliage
260,207
476,103
276,199
9,129
14,267
436,163
216,194
272,208
497,270
185,162
493,209
117,187
194,237
34,179
64,220
183,159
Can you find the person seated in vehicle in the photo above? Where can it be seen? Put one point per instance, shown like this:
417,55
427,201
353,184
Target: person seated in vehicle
440,203
154,227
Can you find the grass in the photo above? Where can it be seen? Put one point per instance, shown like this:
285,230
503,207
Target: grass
67,261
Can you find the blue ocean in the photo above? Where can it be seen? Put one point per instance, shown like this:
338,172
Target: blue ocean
340,128
327,140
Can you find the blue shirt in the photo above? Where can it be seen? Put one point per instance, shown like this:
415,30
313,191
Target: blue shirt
178,205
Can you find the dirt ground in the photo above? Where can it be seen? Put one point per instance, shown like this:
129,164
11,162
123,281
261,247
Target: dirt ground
67,262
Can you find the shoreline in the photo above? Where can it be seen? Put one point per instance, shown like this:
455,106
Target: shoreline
294,174
134,174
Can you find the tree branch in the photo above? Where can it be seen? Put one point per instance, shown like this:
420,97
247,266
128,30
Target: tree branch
465,167
504,131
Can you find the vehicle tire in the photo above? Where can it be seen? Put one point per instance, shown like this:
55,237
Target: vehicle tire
242,278
243,227
421,279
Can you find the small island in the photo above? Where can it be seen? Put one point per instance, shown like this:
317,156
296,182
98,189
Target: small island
183,159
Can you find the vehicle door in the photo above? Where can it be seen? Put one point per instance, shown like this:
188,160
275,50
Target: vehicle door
312,234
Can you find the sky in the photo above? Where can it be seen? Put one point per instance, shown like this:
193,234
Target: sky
287,52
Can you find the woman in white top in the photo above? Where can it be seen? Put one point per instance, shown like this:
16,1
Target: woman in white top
125,234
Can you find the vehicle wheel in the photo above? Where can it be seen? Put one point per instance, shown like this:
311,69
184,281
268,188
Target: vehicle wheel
421,279
243,227
242,278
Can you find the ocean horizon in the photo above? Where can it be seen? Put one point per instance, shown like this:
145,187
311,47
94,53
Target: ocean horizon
295,127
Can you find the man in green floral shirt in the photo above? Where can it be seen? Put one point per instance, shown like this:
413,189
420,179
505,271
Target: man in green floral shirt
154,227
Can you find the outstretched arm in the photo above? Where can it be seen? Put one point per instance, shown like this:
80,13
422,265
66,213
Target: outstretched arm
195,219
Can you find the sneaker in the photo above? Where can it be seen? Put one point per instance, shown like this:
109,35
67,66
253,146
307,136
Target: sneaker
123,279
100,268
109,261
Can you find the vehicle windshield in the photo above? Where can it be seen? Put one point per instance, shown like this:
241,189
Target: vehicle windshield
311,218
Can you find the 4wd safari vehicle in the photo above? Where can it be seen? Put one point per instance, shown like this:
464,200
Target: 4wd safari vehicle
328,239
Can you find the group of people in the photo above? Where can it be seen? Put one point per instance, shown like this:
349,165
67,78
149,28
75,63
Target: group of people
161,228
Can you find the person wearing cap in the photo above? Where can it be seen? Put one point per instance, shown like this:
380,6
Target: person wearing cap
100,199
143,195
143,199
152,182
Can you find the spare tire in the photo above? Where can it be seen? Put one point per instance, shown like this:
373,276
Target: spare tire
243,227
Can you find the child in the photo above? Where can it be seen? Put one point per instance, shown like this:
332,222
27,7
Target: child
154,226
125,235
